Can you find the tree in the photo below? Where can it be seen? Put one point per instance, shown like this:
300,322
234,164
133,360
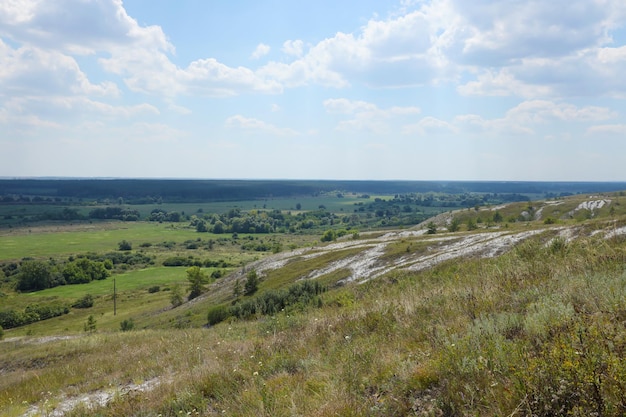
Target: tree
471,225
454,225
237,289
219,227
298,206
201,227
329,236
497,217
431,228
90,325
176,297
34,275
197,279
252,283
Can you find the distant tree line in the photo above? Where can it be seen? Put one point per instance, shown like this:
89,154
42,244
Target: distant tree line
137,191
115,213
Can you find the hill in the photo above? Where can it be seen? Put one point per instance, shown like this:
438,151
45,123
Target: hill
519,311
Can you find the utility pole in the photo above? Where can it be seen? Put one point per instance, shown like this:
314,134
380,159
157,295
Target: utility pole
114,299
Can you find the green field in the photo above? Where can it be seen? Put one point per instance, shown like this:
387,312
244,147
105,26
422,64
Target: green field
537,330
96,237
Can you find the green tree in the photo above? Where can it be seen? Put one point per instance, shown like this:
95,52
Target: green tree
34,275
176,296
219,227
90,324
329,236
197,279
497,217
252,283
454,225
471,224
431,228
237,289
201,227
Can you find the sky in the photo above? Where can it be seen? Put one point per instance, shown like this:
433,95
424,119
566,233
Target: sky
507,90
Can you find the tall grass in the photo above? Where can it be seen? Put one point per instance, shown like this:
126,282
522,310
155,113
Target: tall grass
537,332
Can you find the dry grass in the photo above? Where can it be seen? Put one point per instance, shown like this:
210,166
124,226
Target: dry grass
538,331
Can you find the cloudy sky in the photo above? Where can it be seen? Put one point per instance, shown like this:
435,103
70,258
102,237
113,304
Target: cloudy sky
363,89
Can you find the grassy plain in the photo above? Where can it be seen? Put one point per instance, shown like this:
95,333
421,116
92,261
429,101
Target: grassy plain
534,332
538,331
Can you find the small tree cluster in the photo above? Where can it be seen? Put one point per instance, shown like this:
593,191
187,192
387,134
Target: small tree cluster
197,279
252,283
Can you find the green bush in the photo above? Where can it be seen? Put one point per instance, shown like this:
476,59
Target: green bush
178,261
127,325
85,302
217,314
154,289
125,245
31,314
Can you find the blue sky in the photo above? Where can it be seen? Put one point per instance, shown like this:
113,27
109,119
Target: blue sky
416,90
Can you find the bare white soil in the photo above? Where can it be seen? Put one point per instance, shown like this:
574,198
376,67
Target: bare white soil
90,400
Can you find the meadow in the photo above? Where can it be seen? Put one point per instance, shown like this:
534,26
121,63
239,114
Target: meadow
536,331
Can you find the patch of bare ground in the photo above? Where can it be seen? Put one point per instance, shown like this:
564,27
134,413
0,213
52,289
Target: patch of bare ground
371,261
95,399
36,340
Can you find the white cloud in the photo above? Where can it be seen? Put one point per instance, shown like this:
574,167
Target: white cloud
612,130
80,27
258,126
429,126
294,48
529,116
367,116
34,71
260,51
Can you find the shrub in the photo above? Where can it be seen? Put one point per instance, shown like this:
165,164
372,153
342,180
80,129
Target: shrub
329,236
1,332
178,261
154,289
85,302
217,314
125,245
127,325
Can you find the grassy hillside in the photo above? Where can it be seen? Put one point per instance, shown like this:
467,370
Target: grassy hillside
521,317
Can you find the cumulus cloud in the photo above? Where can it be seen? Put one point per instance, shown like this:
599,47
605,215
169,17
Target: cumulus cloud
367,116
34,71
294,48
429,126
530,115
607,130
258,126
260,51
